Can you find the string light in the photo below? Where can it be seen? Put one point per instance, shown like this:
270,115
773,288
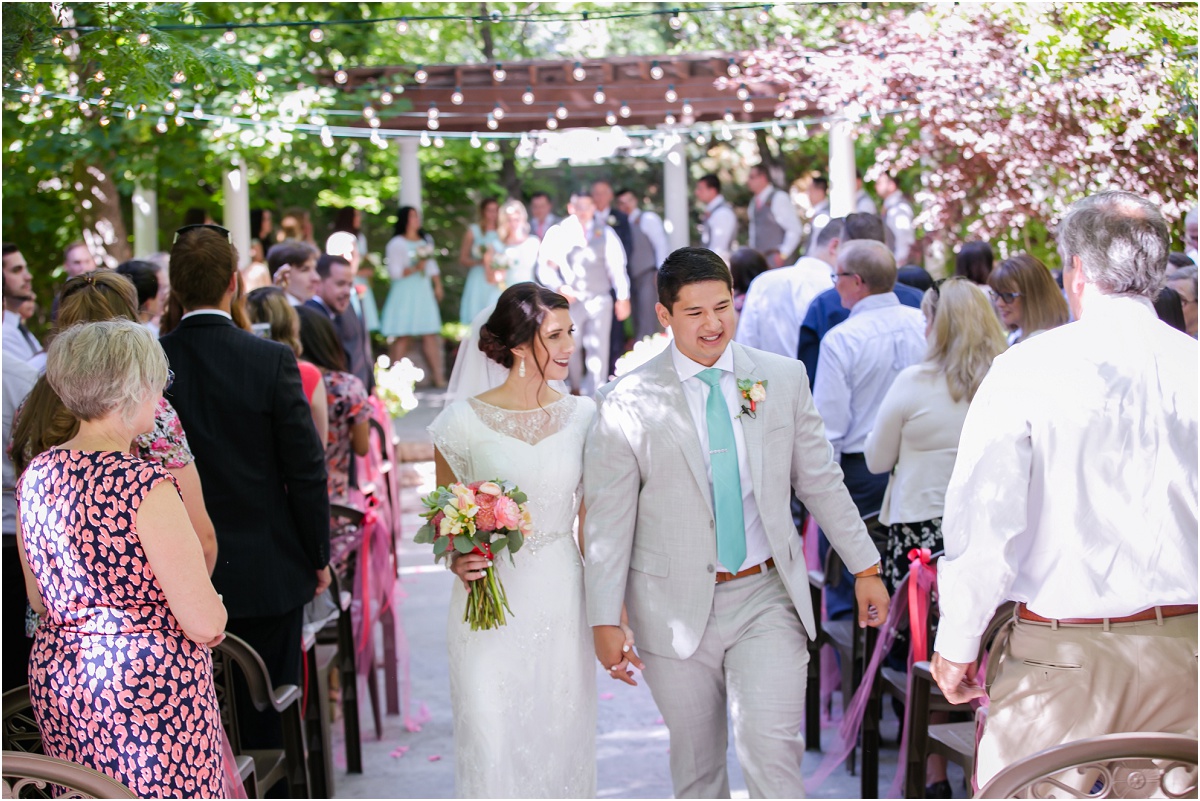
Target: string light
386,98
625,111
492,122
425,141
169,106
433,111
599,97
579,73
433,125
551,123
143,39
676,22
527,96
475,142
764,16
402,27
610,118
39,87
161,126
83,105
316,35
671,96
498,111
326,136
687,109
656,72
373,122
104,122
260,76
230,36
56,41
178,120
130,114
748,106
499,74
439,141
670,119
732,69
177,93
457,97
178,77
491,146
728,115
341,76
368,111
743,92
561,112
420,76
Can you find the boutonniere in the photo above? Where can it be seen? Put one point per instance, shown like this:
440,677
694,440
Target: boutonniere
753,393
612,220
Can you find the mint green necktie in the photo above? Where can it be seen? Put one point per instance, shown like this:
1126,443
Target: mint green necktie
727,483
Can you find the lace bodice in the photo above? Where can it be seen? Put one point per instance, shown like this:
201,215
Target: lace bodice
541,450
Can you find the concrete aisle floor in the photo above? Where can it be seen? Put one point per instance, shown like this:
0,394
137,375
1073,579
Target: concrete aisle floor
632,742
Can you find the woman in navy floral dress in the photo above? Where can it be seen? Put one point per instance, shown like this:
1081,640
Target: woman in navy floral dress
121,672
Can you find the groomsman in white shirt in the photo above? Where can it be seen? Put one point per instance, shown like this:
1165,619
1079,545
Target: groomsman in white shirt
818,198
718,225
18,342
650,250
1074,494
775,230
897,216
541,216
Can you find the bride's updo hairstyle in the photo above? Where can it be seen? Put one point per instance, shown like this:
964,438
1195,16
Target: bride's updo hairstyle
517,320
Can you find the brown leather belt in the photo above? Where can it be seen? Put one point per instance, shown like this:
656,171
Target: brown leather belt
750,571
1153,613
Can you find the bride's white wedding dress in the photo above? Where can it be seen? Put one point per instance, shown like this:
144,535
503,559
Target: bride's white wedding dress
524,695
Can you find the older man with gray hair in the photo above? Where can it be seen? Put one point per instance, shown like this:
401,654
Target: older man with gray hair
1074,494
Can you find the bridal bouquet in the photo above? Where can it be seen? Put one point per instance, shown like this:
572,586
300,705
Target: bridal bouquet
423,252
487,518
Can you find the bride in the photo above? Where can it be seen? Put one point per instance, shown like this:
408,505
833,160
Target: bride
524,695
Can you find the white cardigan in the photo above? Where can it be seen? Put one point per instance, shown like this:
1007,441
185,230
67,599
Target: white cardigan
916,432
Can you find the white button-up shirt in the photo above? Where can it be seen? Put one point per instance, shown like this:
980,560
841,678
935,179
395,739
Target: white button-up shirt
1075,484
785,215
898,217
554,269
776,304
860,358
695,391
654,229
21,345
720,228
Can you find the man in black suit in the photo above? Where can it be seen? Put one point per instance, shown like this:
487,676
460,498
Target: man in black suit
333,299
261,464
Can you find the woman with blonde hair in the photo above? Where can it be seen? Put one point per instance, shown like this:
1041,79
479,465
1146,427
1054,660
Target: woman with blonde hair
272,317
1027,298
517,250
918,426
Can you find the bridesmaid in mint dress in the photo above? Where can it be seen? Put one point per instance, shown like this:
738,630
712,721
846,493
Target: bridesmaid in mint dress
480,243
411,309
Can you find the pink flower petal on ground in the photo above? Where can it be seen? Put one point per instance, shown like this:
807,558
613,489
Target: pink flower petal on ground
413,724
435,758
399,751
660,722
606,696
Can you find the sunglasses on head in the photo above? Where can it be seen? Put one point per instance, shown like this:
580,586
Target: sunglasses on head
222,231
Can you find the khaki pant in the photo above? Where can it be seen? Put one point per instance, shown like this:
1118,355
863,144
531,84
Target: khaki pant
1055,686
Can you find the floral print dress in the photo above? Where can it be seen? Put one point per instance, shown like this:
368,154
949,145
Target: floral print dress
348,406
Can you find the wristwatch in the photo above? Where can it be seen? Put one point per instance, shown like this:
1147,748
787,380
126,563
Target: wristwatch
873,570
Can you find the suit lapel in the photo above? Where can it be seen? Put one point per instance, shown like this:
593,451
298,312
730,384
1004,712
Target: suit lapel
744,368
680,426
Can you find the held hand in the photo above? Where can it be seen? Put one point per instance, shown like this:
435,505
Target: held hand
488,255
957,681
280,279
610,644
470,567
324,579
438,292
873,601
622,308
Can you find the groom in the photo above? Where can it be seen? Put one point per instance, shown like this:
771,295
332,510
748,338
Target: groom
689,526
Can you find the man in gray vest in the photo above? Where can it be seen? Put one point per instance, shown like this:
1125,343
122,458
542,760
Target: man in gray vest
650,249
775,229
583,260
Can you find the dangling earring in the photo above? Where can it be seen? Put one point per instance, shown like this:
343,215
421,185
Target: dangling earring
521,369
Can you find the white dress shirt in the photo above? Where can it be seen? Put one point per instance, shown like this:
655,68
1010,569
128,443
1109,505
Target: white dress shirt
820,219
776,303
864,204
695,391
652,226
554,270
785,214
860,358
18,380
916,432
721,227
1075,485
21,345
898,217
218,312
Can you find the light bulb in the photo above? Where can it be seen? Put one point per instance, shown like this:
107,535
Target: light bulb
599,97
433,111
499,74
237,108
178,77
143,39
386,98
492,124
610,118
676,21
177,93
561,112
687,109
498,112
579,73
229,37
83,105
316,35
743,92
326,136
425,140
244,98
130,114
439,141
728,115
433,125
420,76
551,123
341,76
373,122
670,119
475,140
39,87
748,106
106,91
368,111
776,130
656,72
161,126
625,111
402,27
527,97
457,96
169,106
56,41
178,120
733,70
104,121
491,146
197,111
260,76
764,16
671,96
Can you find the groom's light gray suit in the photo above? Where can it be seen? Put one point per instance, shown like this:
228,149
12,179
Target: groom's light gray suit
651,544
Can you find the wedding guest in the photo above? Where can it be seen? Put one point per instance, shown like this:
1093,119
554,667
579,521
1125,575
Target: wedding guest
897,216
1169,308
918,278
479,246
1078,464
268,307
541,214
44,422
1027,297
335,297
718,221
778,300
18,380
161,264
818,199
602,197
1183,281
262,225
144,277
240,401
745,265
17,341
863,202
775,229
411,309
121,665
516,249
293,266
296,224
974,261
650,250
349,220
78,259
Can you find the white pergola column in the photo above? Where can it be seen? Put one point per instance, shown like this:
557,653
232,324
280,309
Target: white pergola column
145,221
237,210
410,172
842,177
675,194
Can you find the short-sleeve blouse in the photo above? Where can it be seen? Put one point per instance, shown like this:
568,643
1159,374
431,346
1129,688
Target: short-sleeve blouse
348,406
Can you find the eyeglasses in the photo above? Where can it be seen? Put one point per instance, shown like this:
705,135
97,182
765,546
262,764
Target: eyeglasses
222,231
170,380
1008,297
835,276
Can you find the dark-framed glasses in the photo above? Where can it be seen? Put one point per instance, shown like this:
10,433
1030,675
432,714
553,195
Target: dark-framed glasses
222,231
1008,297
170,380
835,276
